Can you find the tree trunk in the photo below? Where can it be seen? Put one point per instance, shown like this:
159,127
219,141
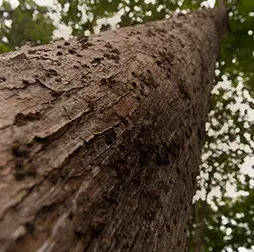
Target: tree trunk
100,138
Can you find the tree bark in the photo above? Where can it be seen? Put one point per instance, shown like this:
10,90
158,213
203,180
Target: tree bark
100,138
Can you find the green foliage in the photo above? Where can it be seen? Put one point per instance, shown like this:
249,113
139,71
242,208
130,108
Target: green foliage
219,222
228,226
83,15
28,22
238,46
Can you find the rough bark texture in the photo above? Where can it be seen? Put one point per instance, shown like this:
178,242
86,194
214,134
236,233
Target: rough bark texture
100,139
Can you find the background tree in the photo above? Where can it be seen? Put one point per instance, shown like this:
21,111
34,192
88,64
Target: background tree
230,124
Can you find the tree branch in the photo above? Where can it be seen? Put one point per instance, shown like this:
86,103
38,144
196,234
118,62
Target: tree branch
222,4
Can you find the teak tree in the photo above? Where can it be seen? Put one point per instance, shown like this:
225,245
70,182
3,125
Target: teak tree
100,138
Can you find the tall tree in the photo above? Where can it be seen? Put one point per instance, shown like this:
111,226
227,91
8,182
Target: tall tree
101,138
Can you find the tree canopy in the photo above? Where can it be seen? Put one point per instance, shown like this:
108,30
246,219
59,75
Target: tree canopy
222,216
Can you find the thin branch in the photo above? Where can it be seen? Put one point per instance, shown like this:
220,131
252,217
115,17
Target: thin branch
222,4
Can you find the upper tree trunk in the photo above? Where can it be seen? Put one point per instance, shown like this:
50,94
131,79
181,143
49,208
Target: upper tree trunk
100,140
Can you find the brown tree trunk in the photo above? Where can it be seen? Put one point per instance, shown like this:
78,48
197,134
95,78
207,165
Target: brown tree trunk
100,139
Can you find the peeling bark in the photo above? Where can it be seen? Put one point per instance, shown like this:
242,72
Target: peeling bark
100,138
